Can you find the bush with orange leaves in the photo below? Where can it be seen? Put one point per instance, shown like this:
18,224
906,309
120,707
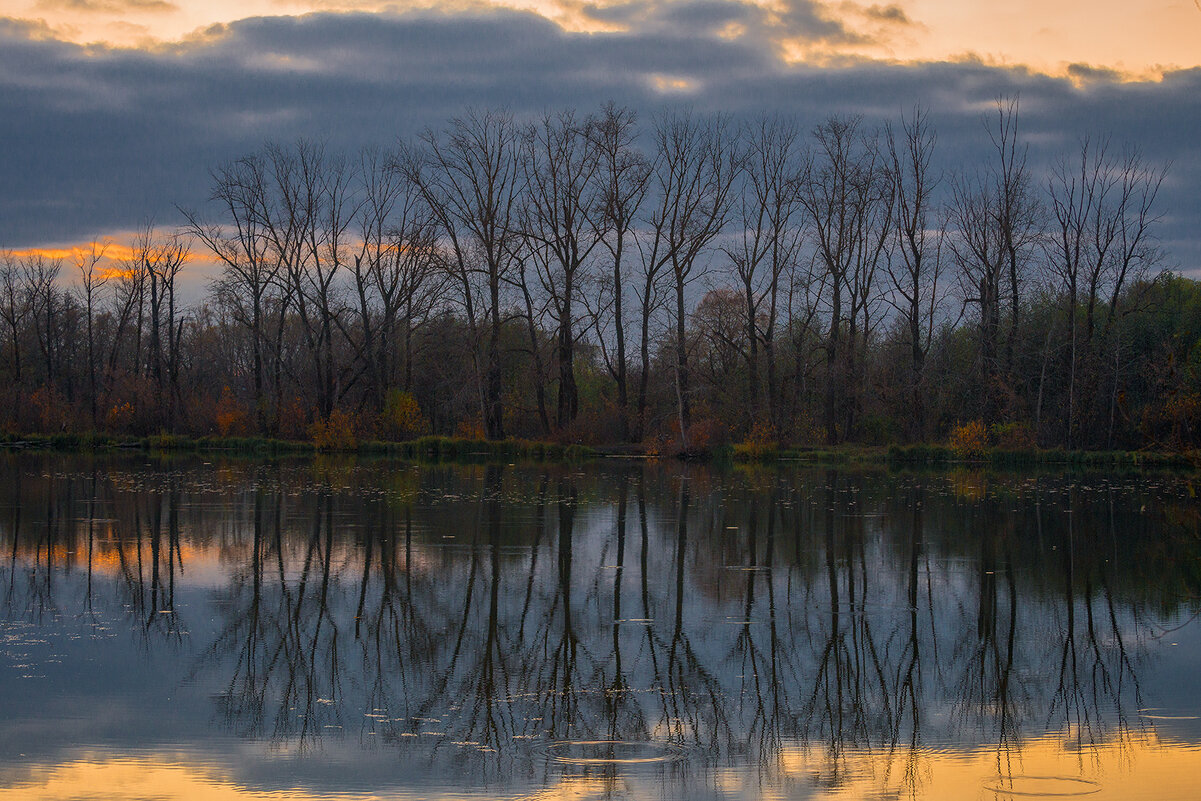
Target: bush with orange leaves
760,443
401,417
969,440
597,423
703,436
707,433
471,428
231,417
120,416
335,433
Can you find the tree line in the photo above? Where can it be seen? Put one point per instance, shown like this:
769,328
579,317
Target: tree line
591,277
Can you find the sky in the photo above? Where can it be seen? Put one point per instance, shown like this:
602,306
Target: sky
114,112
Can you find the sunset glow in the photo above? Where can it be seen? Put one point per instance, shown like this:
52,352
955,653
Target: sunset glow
927,774
1135,42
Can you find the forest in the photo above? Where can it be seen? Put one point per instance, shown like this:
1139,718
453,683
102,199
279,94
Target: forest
674,284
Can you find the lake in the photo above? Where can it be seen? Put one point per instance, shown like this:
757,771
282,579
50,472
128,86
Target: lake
203,627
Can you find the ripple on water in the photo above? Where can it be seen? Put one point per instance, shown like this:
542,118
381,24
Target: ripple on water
1163,713
1043,786
612,752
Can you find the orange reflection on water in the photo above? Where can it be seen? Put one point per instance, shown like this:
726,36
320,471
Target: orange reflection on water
1136,767
133,777
1133,766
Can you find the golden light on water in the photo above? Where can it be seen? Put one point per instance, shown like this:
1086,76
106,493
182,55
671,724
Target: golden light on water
1139,766
158,777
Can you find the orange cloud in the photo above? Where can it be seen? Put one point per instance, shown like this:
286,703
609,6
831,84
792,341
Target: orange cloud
1138,41
112,261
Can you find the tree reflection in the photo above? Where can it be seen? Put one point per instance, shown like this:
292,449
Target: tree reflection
478,614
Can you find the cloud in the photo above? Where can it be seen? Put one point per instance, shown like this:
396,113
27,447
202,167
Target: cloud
107,6
891,13
811,21
97,139
805,20
1088,72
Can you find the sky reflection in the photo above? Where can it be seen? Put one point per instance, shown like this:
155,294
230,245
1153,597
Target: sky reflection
360,630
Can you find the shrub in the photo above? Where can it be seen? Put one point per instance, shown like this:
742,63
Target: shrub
706,434
292,419
231,417
401,417
1013,436
760,443
120,416
969,440
335,433
52,411
471,428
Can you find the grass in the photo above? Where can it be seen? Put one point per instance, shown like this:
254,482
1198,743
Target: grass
455,449
1026,457
435,449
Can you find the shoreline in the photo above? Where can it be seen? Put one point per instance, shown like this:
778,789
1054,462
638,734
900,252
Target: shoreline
452,449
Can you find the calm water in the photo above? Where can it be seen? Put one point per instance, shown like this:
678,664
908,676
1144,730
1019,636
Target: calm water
355,630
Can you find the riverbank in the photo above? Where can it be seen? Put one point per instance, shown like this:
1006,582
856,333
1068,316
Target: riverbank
452,449
429,448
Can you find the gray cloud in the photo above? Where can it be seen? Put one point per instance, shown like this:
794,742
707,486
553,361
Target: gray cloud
890,13
805,19
99,139
1088,72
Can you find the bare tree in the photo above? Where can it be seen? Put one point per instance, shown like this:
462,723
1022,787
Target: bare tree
313,210
1104,219
995,217
1017,212
563,222
471,179
769,212
625,174
91,281
40,279
847,195
14,308
395,271
696,163
915,261
249,270
171,254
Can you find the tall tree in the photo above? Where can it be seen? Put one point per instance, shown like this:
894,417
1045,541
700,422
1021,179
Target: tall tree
915,260
250,269
697,160
395,271
1103,206
771,234
995,217
563,222
625,177
91,280
847,195
14,308
471,179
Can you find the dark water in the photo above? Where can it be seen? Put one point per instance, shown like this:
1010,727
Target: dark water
355,630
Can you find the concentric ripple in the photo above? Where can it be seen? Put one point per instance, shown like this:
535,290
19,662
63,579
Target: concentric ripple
612,752
1043,786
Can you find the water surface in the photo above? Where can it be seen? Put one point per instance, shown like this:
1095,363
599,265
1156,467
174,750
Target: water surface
370,629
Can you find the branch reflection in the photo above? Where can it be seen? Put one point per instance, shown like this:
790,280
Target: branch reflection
475,616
